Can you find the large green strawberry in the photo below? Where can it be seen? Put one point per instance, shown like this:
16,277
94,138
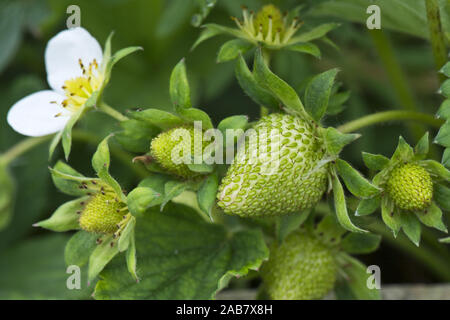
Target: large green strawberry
301,268
278,172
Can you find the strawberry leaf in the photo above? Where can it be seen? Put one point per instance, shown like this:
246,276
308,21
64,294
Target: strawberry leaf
179,86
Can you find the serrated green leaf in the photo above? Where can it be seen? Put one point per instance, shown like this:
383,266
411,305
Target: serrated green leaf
318,93
354,181
193,114
206,195
159,118
442,196
353,286
340,206
251,87
182,257
335,141
432,217
390,218
443,136
140,199
375,162
180,93
368,206
79,248
65,218
444,110
315,33
308,48
278,87
411,227
357,243
231,49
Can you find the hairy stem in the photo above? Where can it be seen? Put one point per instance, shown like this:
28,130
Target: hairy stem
386,116
396,76
105,108
436,35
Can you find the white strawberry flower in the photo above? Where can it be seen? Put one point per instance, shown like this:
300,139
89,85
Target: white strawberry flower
72,61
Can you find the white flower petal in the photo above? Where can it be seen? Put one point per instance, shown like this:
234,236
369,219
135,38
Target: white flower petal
63,52
34,115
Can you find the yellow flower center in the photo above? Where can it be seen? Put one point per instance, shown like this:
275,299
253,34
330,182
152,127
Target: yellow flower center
79,89
269,25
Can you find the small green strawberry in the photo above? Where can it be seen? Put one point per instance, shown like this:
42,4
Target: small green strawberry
102,214
411,187
286,174
176,147
269,20
301,268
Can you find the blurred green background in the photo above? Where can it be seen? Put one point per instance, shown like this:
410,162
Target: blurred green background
31,260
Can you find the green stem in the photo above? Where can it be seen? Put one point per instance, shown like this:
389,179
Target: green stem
22,147
389,116
436,35
105,108
396,76
264,111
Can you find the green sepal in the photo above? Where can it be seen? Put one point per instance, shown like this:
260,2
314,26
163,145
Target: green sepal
212,30
140,199
353,286
445,89
446,70
432,217
288,223
156,182
173,189
130,257
340,205
435,168
317,93
252,88
411,227
308,48
315,33
202,168
180,93
422,147
442,196
116,57
278,87
206,195
68,180
79,248
65,218
233,123
54,143
368,206
102,254
127,235
357,243
335,141
66,135
355,182
192,114
159,118
329,231
443,136
446,158
389,216
445,240
444,110
403,153
231,49
337,101
136,135
375,162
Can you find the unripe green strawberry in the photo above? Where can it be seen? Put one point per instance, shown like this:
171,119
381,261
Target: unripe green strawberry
174,161
410,187
263,17
102,214
259,185
301,268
